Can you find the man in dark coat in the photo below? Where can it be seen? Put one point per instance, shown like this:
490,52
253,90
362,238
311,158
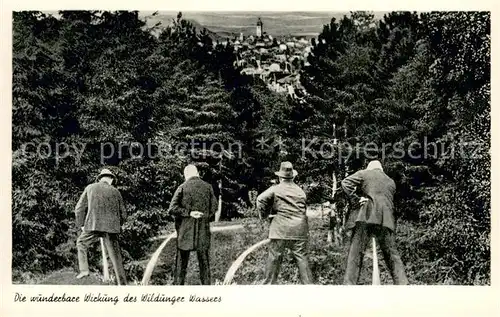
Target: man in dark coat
100,213
193,205
373,215
285,203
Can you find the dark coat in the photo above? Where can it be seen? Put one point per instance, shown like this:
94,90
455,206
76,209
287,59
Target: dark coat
379,189
193,195
100,208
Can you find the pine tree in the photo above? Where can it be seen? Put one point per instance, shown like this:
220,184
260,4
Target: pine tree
460,206
41,111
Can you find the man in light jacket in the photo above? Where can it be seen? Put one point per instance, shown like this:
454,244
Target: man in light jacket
100,213
372,215
193,205
289,229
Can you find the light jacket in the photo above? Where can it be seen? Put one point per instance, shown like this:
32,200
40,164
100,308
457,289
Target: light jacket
288,202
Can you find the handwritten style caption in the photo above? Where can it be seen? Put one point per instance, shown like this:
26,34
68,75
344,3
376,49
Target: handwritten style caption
113,299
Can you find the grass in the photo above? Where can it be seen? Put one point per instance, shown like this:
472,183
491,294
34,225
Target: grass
327,261
66,276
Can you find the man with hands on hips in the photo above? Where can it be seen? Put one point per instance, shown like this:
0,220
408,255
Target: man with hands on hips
373,216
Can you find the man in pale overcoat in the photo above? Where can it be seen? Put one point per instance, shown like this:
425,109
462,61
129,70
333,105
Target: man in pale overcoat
285,203
100,213
372,215
193,205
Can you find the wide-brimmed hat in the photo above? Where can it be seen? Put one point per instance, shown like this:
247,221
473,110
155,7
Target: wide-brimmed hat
105,172
286,171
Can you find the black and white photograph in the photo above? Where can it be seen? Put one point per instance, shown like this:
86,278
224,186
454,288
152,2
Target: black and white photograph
182,147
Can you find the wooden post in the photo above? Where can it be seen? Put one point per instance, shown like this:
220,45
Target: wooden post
346,208
219,207
332,212
346,173
333,207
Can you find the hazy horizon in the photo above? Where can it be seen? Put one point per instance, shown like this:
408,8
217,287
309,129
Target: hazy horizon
230,23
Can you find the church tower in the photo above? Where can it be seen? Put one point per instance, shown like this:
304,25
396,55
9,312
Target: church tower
259,30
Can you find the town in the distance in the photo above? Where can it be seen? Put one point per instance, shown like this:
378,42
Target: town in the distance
276,60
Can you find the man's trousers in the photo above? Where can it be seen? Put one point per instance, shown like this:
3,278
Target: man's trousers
360,237
87,238
277,248
182,263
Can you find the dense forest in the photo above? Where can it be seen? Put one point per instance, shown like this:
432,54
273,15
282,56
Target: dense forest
91,82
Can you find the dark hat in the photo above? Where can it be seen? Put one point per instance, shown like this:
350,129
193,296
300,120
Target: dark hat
286,170
105,172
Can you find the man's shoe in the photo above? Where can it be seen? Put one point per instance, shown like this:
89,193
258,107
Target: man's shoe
82,274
